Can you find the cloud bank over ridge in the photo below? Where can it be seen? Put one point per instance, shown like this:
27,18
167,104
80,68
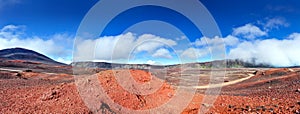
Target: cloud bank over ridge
249,42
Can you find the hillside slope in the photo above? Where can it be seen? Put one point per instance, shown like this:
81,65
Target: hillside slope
26,55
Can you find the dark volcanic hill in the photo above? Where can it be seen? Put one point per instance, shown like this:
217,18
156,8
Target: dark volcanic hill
26,55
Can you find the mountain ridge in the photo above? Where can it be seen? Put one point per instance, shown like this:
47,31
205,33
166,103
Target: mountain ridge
26,55
229,64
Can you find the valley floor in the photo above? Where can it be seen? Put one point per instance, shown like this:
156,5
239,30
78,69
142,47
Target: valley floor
259,91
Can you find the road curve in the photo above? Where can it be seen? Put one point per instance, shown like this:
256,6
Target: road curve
222,84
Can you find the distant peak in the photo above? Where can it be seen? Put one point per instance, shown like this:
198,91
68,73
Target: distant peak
18,53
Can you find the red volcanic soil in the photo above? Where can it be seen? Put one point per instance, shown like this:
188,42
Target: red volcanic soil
131,100
37,96
270,91
35,66
23,61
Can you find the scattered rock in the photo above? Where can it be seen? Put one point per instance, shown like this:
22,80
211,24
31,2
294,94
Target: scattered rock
105,109
88,80
27,70
291,70
297,111
65,96
243,109
247,106
230,106
264,109
19,74
258,108
298,90
206,105
271,109
249,109
142,99
53,94
259,72
170,95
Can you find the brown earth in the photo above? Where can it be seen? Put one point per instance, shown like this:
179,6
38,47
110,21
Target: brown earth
269,91
131,100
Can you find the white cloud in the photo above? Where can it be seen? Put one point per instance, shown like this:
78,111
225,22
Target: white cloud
194,53
228,41
181,38
150,62
203,47
151,42
4,3
189,53
275,23
162,53
294,36
231,40
11,31
249,31
119,47
64,60
149,46
58,45
270,51
8,28
281,8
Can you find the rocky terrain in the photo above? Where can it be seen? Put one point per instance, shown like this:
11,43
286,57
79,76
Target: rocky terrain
269,91
39,87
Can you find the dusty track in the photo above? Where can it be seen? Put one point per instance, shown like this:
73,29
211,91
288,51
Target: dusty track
224,84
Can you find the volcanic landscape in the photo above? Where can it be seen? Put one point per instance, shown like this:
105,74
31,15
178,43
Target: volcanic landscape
33,83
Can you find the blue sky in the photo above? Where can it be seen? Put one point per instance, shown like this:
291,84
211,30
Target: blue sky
267,30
